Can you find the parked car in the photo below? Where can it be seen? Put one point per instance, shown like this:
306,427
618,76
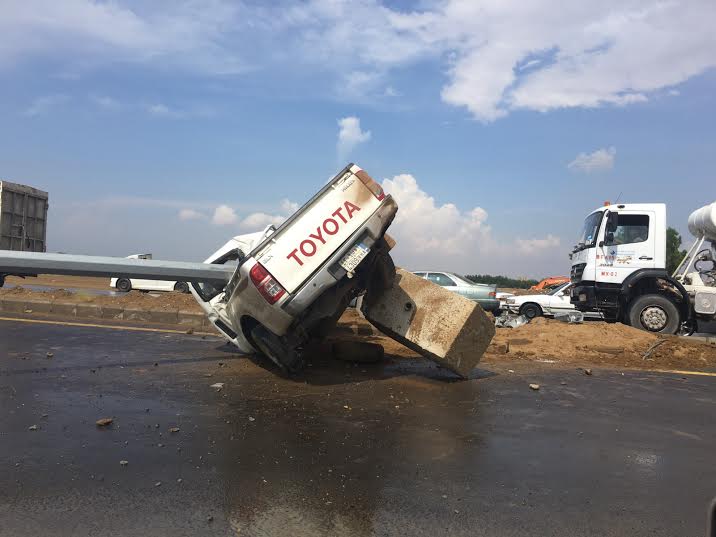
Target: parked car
126,284
483,294
502,297
548,304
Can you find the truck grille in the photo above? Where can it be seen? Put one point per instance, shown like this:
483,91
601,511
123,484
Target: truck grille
577,272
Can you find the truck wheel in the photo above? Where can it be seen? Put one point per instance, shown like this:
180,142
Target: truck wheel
531,311
182,287
270,345
124,285
654,313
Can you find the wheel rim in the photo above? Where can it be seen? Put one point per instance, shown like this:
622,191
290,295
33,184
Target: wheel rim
654,318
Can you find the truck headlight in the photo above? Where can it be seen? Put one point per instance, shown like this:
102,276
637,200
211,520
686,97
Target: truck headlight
510,301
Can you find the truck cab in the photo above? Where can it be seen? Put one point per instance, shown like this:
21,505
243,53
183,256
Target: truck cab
618,269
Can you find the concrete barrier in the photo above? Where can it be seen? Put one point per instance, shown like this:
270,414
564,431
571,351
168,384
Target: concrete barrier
442,326
67,310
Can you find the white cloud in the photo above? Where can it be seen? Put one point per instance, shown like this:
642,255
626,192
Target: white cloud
498,56
350,135
162,110
196,110
438,236
44,104
182,34
224,216
531,246
289,207
599,160
259,220
105,102
191,214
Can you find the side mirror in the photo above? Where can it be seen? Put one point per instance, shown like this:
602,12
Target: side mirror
608,238
612,222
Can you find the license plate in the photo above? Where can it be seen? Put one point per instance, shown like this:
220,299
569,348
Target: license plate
354,256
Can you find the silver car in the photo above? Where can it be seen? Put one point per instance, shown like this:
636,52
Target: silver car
483,294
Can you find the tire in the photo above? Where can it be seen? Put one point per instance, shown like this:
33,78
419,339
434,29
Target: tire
181,287
531,310
654,313
270,345
124,285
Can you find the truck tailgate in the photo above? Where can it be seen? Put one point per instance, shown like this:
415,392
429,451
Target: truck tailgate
319,228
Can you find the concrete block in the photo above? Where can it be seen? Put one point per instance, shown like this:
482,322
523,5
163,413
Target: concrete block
88,311
190,319
164,316
10,305
440,325
38,306
136,314
64,309
112,312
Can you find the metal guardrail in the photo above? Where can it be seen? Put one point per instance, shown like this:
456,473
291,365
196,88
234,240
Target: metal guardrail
32,263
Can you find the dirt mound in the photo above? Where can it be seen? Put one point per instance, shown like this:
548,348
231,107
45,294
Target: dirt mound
590,343
600,343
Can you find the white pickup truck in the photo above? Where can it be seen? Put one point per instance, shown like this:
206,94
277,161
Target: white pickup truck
293,282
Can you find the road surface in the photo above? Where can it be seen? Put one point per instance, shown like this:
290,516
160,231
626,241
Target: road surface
394,449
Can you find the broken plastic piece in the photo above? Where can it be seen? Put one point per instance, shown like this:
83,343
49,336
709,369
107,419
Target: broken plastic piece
571,317
510,321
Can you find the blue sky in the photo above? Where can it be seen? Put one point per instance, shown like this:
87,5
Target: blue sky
170,126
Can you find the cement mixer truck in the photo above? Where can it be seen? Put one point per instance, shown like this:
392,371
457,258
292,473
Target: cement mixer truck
619,269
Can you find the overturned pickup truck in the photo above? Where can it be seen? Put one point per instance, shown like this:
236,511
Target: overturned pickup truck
276,291
293,283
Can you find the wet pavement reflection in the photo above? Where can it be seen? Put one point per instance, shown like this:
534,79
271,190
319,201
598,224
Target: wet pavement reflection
399,448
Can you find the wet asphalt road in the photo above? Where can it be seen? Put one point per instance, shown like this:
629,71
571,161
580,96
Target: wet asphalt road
394,449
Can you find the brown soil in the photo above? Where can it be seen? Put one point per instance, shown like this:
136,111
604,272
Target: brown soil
133,299
590,343
62,282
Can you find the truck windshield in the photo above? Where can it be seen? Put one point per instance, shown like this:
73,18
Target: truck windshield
588,237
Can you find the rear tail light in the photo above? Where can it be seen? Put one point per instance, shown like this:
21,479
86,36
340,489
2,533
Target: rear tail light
269,288
374,187
492,294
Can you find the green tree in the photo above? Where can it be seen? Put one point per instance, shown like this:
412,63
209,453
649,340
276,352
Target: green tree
501,281
674,254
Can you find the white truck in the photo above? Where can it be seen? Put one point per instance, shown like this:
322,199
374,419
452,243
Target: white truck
293,282
127,284
619,269
23,220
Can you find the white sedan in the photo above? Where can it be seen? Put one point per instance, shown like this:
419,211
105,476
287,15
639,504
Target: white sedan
549,304
126,284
